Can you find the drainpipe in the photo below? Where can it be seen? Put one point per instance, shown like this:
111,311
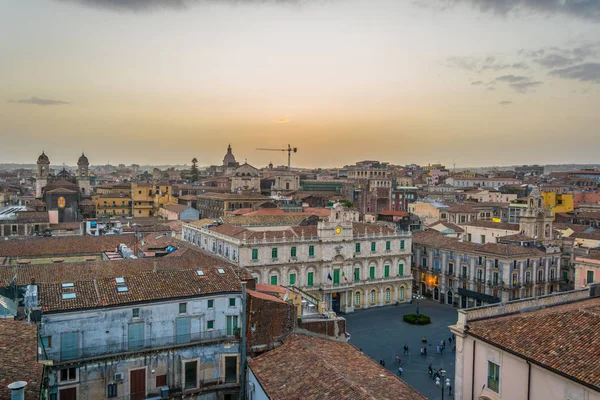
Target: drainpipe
528,380
243,345
473,374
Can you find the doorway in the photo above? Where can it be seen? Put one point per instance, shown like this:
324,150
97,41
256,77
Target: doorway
335,302
137,384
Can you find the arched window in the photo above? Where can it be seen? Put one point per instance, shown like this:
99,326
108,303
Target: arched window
373,296
387,294
540,275
402,292
357,299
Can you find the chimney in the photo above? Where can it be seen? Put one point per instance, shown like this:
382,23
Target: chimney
17,390
155,268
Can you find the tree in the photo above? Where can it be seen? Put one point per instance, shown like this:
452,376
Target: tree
194,169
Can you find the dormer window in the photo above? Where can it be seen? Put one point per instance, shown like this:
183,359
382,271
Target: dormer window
67,285
200,272
221,270
69,296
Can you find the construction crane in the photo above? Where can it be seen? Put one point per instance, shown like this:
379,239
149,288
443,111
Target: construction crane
289,150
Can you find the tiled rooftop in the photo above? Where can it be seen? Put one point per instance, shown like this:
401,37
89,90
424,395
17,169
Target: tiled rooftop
494,225
63,245
311,368
564,339
18,359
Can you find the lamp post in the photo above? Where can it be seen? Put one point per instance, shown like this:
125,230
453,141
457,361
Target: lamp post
418,297
439,382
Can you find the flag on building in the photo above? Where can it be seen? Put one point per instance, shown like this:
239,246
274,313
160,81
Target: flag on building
344,275
329,277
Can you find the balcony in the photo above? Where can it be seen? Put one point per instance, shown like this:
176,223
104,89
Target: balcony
120,348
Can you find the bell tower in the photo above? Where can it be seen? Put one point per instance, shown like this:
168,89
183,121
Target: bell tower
337,227
83,177
536,222
43,171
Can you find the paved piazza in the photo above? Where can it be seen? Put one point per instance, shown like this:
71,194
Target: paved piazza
381,333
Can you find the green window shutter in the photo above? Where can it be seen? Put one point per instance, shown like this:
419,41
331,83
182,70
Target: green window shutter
69,345
274,280
255,254
372,273
183,330
386,271
136,336
388,246
400,269
357,247
590,277
373,246
274,252
311,251
293,252
402,245
210,324
336,276
310,278
292,279
356,274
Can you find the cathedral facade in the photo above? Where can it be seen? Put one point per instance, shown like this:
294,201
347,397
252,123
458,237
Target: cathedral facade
62,192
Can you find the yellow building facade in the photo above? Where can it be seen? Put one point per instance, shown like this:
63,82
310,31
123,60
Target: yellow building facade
558,202
112,204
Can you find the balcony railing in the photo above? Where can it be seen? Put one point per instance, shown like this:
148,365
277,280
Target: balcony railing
135,346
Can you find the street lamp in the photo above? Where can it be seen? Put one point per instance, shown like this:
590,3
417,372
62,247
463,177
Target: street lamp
440,383
418,297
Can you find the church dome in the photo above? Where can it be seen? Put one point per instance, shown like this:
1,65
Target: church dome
83,160
43,159
229,158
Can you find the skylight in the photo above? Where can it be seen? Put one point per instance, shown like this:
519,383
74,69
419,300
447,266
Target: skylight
122,289
67,285
67,296
200,272
221,270
120,281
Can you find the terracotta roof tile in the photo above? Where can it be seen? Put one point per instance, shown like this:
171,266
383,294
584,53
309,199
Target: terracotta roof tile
564,339
19,345
494,225
325,369
63,245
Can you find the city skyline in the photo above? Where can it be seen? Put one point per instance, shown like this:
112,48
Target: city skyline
472,82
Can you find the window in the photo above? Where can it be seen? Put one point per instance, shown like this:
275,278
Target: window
210,325
231,373
292,279
388,246
357,248
182,308
232,325
311,251
372,273
495,278
482,239
493,377
468,236
402,293
373,297
136,336
400,269
136,312
183,328
68,374
111,390
191,373
356,274
273,279
255,254
590,277
161,380
232,302
402,245
387,294
293,252
47,342
451,268
274,252
386,271
357,299
373,246
336,276
310,279
211,304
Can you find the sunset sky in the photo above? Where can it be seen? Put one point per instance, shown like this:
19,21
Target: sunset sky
476,82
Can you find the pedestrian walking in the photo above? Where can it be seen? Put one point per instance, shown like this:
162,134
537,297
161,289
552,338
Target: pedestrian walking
442,350
425,349
383,363
450,340
443,343
430,370
405,350
437,349
450,390
400,371
424,340
422,351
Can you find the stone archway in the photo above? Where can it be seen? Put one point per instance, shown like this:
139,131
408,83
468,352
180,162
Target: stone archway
449,297
436,293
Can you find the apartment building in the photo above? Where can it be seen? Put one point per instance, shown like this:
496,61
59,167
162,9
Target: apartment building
468,274
345,264
142,196
111,204
482,182
143,334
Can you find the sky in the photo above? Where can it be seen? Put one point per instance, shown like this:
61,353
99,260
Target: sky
465,82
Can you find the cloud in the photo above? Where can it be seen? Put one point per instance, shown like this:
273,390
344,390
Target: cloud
475,64
583,9
505,102
490,88
152,5
521,84
40,102
477,83
282,121
587,72
553,61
